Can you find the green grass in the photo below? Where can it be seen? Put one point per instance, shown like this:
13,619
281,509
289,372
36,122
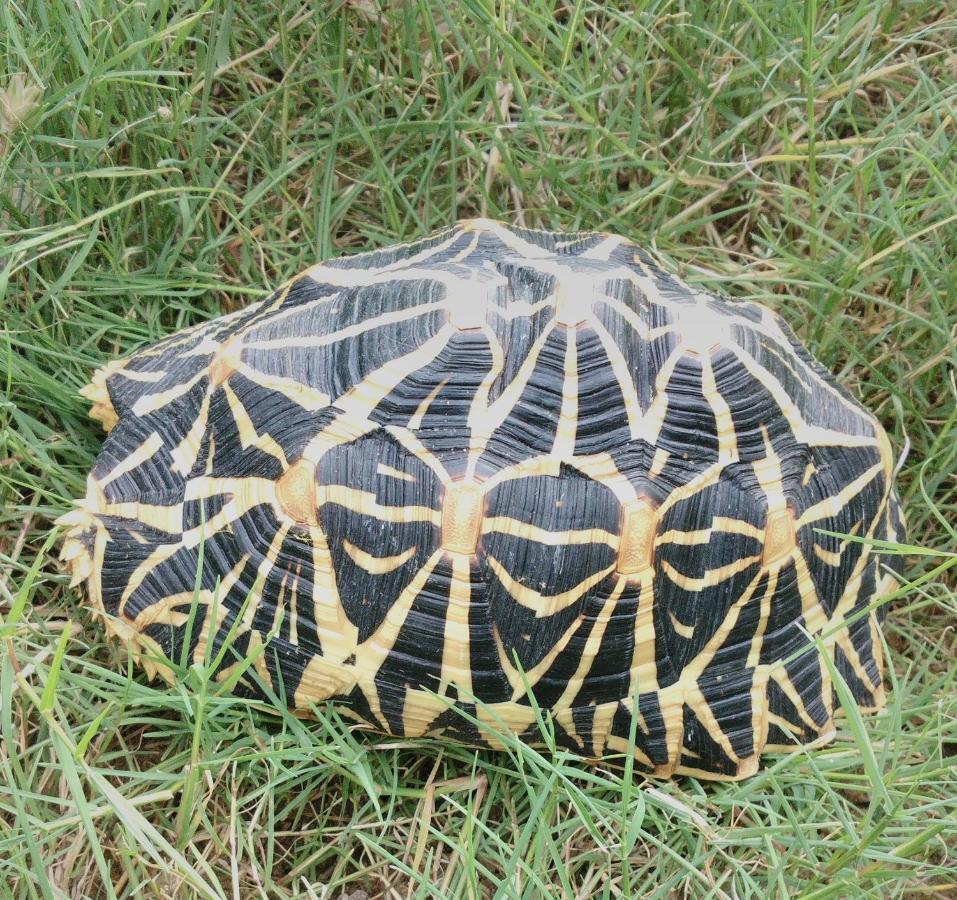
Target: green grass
179,159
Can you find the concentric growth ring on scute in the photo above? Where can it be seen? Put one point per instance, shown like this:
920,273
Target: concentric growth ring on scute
433,479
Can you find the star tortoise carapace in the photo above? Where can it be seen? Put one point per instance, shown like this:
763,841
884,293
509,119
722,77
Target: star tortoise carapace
434,479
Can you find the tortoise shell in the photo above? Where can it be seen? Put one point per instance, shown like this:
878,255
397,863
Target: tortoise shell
496,474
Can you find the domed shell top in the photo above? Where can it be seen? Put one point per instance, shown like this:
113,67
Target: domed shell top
491,472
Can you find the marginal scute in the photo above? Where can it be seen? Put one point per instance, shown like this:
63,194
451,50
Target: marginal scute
491,467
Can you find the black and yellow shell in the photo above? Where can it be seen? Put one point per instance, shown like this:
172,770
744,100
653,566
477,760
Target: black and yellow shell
496,469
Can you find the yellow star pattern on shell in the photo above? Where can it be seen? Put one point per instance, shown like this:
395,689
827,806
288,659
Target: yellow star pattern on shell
451,483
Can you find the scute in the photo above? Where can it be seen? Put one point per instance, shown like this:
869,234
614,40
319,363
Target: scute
452,481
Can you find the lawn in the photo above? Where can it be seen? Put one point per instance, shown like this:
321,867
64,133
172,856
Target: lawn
162,162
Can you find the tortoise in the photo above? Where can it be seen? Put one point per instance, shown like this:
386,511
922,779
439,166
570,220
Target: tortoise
494,475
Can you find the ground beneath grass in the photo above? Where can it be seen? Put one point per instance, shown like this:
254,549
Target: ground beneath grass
163,162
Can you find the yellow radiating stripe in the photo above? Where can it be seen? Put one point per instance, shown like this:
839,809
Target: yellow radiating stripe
564,704
852,589
456,644
187,451
372,653
484,422
622,372
416,421
279,613
727,437
773,348
420,709
783,679
144,377
147,450
655,417
366,504
362,277
315,341
211,627
548,466
248,436
383,469
281,295
768,473
877,646
207,486
164,518
812,435
151,402
602,720
161,610
712,577
564,446
544,604
693,669
828,557
844,641
814,616
704,479
782,723
601,467
467,250
338,637
686,631
157,557
294,611
301,394
604,248
720,524
507,237
277,314
757,640
658,462
533,675
229,513
773,330
831,506
377,565
517,528
644,663
521,309
615,743
341,430
362,398
503,717
633,318
408,440
699,705
480,402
